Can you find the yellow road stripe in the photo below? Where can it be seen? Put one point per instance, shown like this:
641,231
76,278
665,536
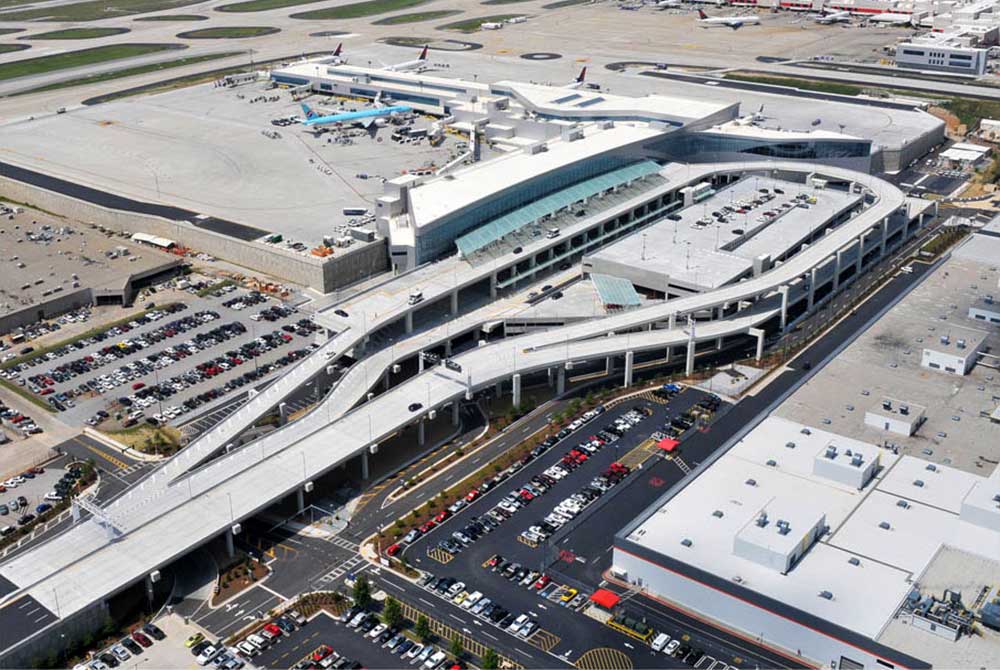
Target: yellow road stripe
117,462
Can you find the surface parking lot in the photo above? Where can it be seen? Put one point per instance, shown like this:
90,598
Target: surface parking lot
171,361
509,579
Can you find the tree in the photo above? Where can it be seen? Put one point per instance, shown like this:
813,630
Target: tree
392,613
456,647
362,591
490,660
423,629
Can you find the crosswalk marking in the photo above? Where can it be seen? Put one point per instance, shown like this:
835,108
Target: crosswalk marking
347,566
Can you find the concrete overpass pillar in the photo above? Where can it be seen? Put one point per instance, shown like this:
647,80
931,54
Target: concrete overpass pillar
447,348
365,474
282,413
629,364
551,377
421,437
300,500
230,545
385,380
718,342
409,322
689,363
455,409
672,322
783,290
454,302
861,255
667,359
885,236
812,288
516,382
836,270
561,380
151,580
420,362
759,334
493,286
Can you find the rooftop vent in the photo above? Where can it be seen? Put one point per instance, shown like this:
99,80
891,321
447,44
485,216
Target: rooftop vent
919,483
885,525
717,514
751,482
827,595
856,460
931,467
772,463
783,527
686,542
904,410
831,452
996,498
806,431
945,340
761,519
887,405
903,504
960,344
854,560
790,445
988,300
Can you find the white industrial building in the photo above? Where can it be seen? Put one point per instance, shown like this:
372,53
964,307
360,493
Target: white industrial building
953,53
955,352
814,543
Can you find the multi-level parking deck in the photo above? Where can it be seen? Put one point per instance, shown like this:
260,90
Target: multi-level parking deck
178,509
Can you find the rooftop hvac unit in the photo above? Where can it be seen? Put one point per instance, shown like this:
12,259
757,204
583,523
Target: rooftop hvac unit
783,527
931,467
856,460
903,504
806,431
761,520
945,340
827,595
854,560
988,300
996,498
884,525
686,542
904,410
751,482
790,445
887,405
772,463
960,344
919,483
717,514
831,452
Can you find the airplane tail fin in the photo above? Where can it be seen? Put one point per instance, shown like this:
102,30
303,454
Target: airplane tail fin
702,15
582,76
340,48
423,54
308,111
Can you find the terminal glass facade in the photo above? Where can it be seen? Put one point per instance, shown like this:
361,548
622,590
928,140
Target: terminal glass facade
691,145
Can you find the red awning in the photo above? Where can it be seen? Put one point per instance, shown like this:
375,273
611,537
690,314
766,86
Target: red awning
667,445
604,598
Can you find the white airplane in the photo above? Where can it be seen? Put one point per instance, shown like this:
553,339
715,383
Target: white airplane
833,17
578,82
734,22
417,64
338,57
667,4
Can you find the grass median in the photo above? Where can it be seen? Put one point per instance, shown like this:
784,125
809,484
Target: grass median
356,10
174,17
129,72
228,33
416,17
77,34
93,10
11,48
71,59
472,25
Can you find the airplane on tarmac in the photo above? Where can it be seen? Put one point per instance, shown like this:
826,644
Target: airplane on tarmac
667,4
364,118
826,16
418,64
578,82
734,22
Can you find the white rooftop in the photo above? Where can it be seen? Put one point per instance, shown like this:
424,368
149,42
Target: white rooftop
865,596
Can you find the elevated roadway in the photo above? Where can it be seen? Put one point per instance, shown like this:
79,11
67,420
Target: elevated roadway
178,509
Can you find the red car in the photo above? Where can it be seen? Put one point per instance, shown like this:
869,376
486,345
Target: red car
138,385
141,639
427,527
526,495
442,515
542,582
472,495
38,470
273,629
393,550
321,652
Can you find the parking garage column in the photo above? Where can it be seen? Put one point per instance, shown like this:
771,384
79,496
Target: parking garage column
783,290
230,545
454,302
420,362
447,348
493,286
282,413
409,322
300,500
812,288
561,380
421,437
836,270
689,363
364,465
672,323
759,334
516,382
861,255
455,409
629,364
885,235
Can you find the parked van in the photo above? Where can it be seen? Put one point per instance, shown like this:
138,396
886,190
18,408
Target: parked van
660,641
416,296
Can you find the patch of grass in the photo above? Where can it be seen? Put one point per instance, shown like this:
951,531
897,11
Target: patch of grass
55,62
8,31
416,17
11,48
971,111
129,72
76,34
565,3
93,10
502,2
27,395
228,33
472,25
356,10
804,84
143,437
173,17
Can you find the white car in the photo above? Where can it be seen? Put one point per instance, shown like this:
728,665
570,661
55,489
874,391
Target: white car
471,600
210,652
672,647
517,624
376,631
414,651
